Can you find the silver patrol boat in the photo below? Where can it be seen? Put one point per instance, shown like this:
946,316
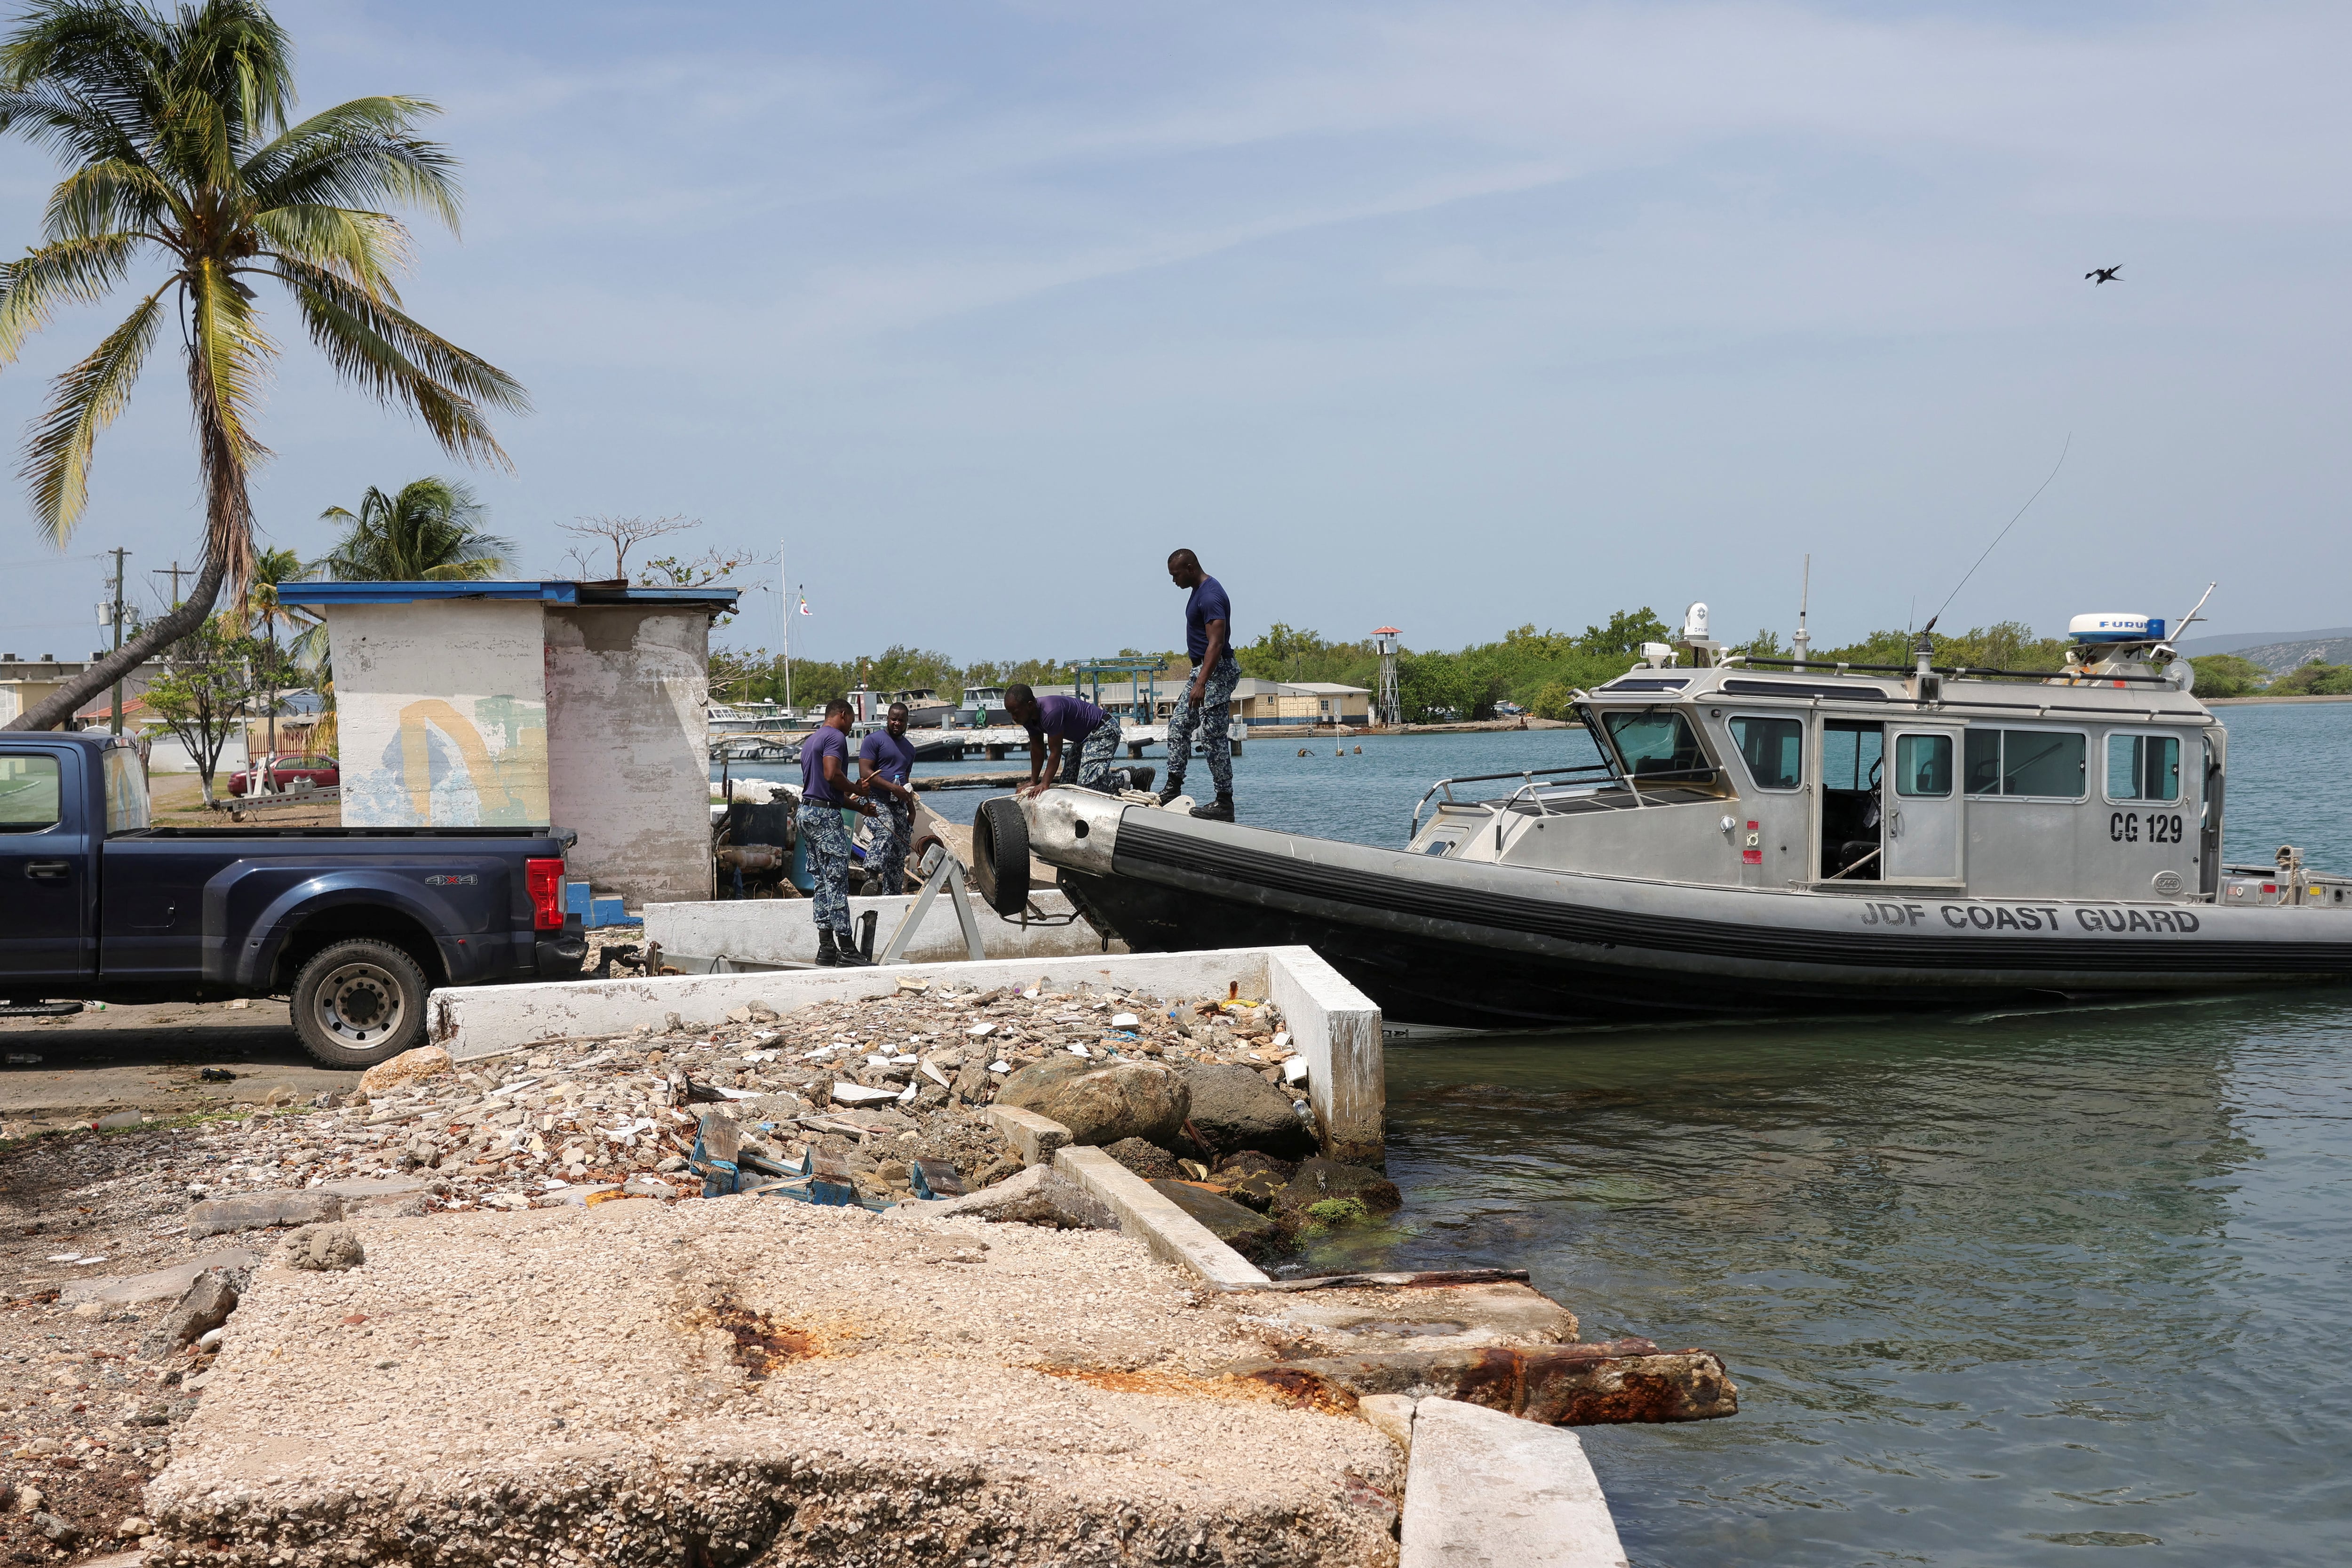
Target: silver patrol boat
1763,836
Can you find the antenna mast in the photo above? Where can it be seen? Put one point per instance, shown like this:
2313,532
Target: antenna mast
1804,639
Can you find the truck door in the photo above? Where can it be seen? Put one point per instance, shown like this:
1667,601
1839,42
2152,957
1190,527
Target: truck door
1922,803
45,948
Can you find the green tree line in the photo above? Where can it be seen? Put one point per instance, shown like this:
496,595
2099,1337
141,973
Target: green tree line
1537,671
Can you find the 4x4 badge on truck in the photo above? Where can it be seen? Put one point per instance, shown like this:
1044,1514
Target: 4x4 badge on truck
450,880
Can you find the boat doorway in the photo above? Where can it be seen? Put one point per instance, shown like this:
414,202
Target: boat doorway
1850,829
1922,807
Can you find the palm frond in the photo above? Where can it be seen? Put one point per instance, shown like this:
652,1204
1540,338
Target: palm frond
70,128
85,401
358,154
71,271
366,248
384,351
110,196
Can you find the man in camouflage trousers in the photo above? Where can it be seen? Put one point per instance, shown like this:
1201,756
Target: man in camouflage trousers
1208,697
826,792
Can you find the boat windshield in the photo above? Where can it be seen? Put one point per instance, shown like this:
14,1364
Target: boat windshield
1656,742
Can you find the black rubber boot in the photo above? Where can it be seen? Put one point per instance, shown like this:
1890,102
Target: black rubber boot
827,955
1168,795
1218,810
846,954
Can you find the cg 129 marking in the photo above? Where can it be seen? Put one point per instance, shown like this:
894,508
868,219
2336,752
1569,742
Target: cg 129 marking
2123,826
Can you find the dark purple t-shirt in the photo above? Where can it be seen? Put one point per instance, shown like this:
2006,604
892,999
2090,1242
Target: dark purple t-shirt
1071,717
827,741
882,755
1207,602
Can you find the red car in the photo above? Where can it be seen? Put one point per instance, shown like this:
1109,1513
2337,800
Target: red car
284,771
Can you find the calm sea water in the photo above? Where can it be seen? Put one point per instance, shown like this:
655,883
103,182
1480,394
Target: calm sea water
1996,1290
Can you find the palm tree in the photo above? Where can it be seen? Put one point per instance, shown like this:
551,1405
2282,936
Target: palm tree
175,131
430,531
264,608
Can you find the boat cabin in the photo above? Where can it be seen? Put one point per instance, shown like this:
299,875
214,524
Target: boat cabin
2101,781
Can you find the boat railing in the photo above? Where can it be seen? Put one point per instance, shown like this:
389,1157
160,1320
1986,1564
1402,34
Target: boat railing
1526,777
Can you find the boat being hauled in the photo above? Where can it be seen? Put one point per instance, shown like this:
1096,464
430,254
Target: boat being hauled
1761,836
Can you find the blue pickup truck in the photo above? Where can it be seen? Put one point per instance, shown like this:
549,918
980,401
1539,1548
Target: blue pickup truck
354,924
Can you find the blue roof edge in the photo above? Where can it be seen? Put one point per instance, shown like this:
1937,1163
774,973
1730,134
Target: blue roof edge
558,591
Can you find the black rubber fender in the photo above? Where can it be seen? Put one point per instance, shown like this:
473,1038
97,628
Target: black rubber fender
1000,854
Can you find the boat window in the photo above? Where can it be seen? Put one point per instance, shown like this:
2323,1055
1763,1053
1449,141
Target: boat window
28,792
1773,750
1852,751
1923,765
1656,742
2143,767
2047,764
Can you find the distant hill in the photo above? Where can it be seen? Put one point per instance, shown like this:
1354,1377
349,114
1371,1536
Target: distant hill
2277,652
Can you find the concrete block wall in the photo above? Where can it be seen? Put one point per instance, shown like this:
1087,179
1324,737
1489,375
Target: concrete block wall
628,729
442,710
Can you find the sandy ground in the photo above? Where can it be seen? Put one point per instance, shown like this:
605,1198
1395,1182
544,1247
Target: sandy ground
149,1058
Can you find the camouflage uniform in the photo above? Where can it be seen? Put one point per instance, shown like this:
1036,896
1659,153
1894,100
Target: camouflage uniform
1089,762
1215,713
886,852
828,858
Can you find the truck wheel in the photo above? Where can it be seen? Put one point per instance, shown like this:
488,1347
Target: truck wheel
359,1003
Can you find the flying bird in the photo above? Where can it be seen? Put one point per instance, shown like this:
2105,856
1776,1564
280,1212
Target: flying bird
2104,274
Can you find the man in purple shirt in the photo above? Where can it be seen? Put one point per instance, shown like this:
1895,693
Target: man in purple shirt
826,792
1208,700
1055,724
886,767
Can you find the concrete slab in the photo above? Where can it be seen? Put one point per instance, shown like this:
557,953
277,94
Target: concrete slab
1335,1026
746,1380
360,1189
162,1285
1488,1490
782,931
1034,1138
1172,1234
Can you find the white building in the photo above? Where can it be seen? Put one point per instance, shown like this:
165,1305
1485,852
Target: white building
527,705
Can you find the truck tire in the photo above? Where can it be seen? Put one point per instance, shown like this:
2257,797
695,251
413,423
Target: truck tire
359,1003
1000,854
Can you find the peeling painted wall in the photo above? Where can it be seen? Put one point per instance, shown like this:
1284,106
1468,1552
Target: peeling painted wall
628,760
442,711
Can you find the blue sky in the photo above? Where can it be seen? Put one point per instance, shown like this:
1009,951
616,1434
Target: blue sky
1450,317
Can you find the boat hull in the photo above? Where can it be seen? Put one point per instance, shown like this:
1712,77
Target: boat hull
1481,945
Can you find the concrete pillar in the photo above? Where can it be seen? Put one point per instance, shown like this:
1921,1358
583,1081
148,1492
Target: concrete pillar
995,753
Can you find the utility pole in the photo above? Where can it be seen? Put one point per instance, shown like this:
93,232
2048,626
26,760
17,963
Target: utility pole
175,573
116,727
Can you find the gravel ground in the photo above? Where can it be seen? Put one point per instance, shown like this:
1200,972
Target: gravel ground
90,1403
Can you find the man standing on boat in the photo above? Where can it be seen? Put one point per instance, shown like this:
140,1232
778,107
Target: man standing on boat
885,769
1054,723
825,793
1208,700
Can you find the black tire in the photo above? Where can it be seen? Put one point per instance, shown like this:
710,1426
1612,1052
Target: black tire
1000,854
359,1003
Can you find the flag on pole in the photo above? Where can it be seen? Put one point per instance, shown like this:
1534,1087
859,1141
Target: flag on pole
805,609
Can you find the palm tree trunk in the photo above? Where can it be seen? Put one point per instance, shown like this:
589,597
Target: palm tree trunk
58,708
222,457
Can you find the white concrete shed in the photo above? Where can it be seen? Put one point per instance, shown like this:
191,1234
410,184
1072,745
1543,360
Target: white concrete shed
579,705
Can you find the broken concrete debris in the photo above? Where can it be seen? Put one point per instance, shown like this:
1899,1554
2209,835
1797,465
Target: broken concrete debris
351,1201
